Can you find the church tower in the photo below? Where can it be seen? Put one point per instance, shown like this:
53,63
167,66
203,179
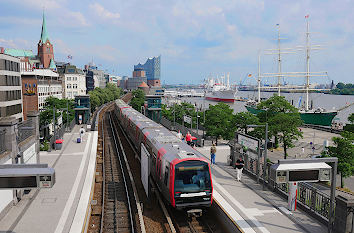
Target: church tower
45,48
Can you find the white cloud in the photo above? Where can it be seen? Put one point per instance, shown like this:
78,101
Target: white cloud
17,43
103,13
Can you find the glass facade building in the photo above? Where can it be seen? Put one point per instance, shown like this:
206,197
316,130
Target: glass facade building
152,68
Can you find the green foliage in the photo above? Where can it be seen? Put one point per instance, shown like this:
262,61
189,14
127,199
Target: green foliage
343,149
285,127
350,127
219,121
177,111
283,119
138,99
101,96
343,89
44,146
351,118
46,115
242,119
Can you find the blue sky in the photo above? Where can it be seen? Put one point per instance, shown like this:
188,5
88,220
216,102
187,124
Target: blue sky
194,38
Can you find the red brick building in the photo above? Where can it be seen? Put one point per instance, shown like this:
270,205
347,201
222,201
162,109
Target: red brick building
45,48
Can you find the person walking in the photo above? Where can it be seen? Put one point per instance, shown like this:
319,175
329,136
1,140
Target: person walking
179,135
239,167
188,138
212,154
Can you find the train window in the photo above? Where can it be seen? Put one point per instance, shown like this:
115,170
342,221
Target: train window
192,176
166,175
154,160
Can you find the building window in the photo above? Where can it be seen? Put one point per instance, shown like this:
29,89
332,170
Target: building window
74,78
75,86
68,86
68,78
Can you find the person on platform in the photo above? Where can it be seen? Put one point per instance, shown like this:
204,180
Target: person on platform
179,135
239,167
188,138
212,154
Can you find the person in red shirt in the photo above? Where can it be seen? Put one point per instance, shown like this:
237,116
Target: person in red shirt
188,138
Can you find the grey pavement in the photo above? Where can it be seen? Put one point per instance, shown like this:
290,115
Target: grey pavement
264,211
41,210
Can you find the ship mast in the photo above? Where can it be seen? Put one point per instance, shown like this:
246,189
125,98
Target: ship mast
307,63
279,60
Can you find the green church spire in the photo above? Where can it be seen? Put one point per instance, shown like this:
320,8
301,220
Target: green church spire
44,34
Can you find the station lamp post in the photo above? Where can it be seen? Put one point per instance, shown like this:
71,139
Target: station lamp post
265,149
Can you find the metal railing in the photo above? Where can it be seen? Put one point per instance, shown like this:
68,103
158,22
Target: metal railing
2,141
25,130
308,196
71,125
177,127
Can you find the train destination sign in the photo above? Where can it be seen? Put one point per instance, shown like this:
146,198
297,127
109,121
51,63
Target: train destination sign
294,172
25,176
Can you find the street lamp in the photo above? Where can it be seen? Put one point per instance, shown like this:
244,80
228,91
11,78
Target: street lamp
265,149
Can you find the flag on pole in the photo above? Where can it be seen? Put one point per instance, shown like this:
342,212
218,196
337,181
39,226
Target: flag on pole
70,57
307,16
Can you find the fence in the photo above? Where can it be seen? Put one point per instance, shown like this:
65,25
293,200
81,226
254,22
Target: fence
25,130
178,127
2,141
71,125
309,197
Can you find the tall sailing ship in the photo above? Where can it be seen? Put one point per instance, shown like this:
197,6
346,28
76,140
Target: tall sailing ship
218,90
318,116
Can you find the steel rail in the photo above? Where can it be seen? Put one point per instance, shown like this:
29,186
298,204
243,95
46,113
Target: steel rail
123,175
103,177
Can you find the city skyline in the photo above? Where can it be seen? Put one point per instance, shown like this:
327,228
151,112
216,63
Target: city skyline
194,38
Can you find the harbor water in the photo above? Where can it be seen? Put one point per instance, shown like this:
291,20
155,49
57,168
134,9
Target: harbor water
321,100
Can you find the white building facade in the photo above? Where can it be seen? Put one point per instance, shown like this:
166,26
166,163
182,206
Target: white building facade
74,80
10,87
74,84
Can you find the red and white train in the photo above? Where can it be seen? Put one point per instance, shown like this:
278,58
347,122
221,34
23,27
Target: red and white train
181,173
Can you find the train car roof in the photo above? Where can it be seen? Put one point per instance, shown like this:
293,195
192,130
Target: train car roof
174,147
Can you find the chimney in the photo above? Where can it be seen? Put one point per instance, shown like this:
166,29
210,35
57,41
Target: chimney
2,50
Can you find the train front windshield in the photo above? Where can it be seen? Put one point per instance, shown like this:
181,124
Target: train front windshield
192,176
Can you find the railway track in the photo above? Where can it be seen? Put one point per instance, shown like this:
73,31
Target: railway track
118,206
118,209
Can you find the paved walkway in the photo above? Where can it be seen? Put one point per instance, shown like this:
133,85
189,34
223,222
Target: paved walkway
53,210
263,211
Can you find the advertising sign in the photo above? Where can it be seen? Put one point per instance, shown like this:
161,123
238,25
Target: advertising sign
145,170
187,119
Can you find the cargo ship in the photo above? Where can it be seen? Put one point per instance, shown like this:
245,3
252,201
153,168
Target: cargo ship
218,90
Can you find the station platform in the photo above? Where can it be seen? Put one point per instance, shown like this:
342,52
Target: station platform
253,209
63,207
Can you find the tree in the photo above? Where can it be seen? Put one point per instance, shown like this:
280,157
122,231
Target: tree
138,99
100,96
242,119
95,100
218,121
350,127
344,151
283,119
285,126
